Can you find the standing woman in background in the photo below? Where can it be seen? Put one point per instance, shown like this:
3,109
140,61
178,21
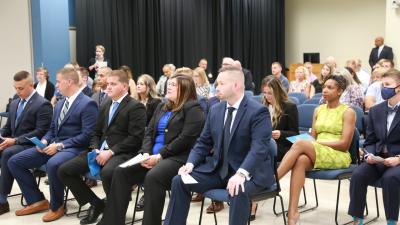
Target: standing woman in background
147,94
316,85
132,84
44,87
98,61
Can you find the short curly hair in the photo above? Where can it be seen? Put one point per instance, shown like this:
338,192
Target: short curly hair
341,81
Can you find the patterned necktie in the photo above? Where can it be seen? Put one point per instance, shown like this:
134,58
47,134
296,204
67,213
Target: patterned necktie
226,135
393,109
20,109
63,112
102,95
112,111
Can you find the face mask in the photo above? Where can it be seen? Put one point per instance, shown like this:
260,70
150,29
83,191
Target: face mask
387,93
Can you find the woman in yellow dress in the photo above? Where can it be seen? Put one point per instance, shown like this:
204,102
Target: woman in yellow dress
332,128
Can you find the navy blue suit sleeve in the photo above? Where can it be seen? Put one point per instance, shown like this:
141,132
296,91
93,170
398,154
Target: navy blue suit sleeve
260,136
43,120
203,144
88,118
371,138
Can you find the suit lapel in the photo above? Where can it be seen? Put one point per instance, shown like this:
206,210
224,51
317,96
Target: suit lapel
395,121
122,105
26,108
219,121
13,114
241,111
71,109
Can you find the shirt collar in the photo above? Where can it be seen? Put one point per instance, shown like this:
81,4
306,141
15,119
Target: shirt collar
120,99
72,98
30,96
236,104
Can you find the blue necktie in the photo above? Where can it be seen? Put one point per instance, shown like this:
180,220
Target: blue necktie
20,109
227,135
114,108
63,112
102,95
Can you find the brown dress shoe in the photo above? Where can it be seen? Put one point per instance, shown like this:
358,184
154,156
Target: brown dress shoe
33,208
198,198
215,206
53,215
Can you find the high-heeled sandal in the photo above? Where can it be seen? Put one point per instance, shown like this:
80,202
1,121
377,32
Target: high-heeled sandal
253,216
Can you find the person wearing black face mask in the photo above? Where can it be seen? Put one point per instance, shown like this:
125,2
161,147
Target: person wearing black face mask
382,158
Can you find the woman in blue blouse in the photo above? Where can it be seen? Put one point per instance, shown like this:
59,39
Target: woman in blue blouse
170,135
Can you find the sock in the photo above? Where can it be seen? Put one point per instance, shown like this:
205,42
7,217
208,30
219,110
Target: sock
391,222
360,220
3,199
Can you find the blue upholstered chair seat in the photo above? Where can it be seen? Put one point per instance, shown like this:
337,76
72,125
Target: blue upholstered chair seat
331,174
223,195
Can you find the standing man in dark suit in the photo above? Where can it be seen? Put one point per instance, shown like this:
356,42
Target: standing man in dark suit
30,116
73,123
238,129
380,51
382,140
101,96
117,138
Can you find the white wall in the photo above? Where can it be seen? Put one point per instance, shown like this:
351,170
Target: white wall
15,44
393,31
344,29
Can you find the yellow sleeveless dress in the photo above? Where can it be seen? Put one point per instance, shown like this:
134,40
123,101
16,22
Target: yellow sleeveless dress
329,125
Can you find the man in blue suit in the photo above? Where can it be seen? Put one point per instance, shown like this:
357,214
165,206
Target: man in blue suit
30,116
238,129
382,140
70,131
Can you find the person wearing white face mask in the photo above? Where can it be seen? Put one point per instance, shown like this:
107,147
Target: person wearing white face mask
382,158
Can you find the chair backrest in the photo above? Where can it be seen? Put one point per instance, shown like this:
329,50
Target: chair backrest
248,93
359,118
317,95
306,112
294,100
257,98
354,146
300,96
314,101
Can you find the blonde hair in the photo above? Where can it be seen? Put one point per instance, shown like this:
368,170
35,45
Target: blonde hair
151,91
202,75
101,47
70,74
280,97
185,71
305,72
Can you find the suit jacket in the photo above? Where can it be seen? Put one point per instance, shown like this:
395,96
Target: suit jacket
248,80
151,107
377,135
49,92
125,132
386,53
181,132
87,91
248,145
289,126
34,121
96,98
78,125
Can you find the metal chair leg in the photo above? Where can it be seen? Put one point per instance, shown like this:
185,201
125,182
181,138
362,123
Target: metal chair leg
377,208
300,206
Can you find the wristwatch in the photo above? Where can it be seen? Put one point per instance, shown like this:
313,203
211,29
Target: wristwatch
60,146
241,174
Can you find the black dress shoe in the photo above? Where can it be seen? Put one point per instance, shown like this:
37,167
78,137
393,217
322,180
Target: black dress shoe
4,208
140,204
94,212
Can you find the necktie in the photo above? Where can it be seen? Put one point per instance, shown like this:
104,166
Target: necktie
114,108
63,112
226,135
20,109
102,95
393,109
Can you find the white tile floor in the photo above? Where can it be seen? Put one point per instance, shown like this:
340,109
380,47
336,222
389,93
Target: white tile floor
324,214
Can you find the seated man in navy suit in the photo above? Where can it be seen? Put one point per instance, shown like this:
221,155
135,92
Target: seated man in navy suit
30,116
70,131
238,130
382,140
